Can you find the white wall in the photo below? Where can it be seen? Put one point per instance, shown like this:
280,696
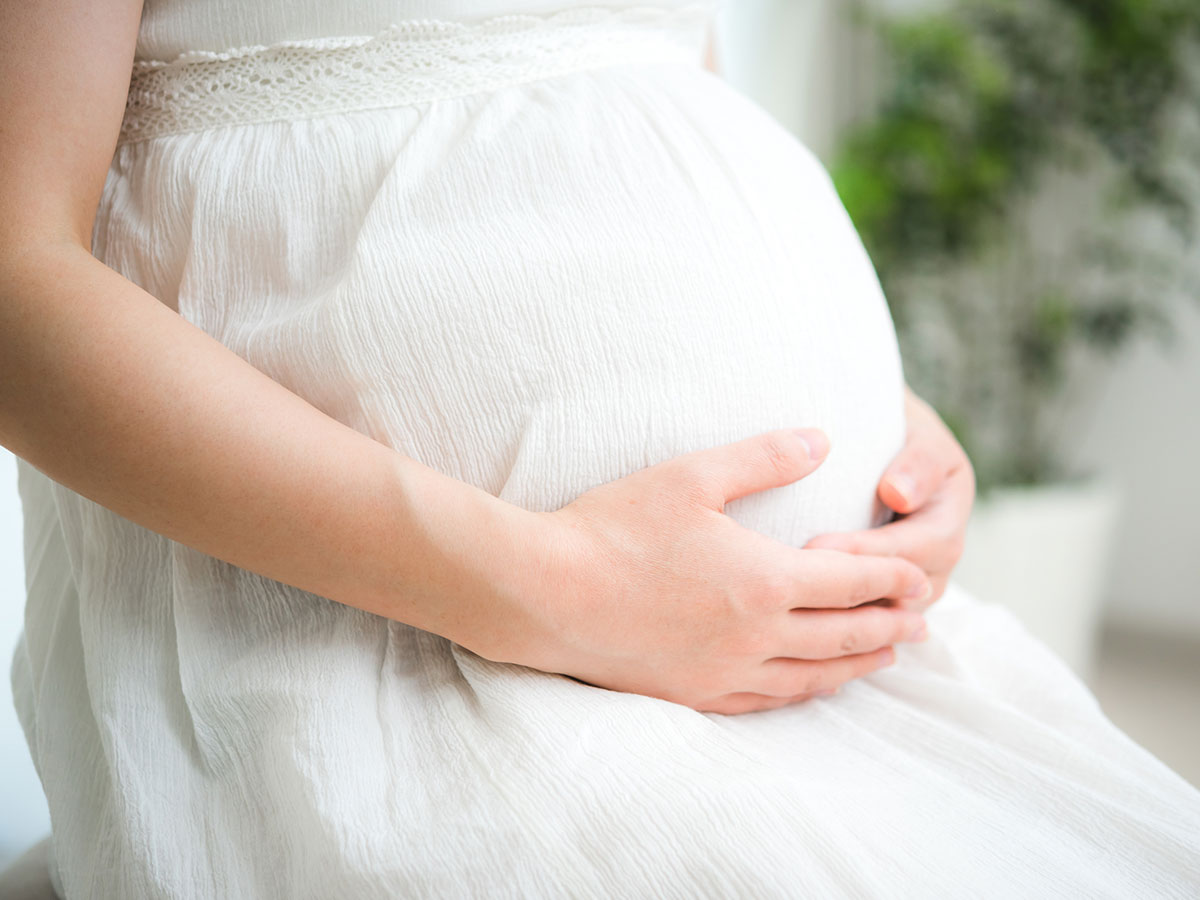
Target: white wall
1144,435
791,57
23,816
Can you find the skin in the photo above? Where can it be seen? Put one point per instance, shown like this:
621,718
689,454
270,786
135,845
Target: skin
642,584
931,485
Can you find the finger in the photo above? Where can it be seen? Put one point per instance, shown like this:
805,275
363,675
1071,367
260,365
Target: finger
865,543
939,583
737,704
789,677
765,461
918,471
930,453
829,634
931,537
828,579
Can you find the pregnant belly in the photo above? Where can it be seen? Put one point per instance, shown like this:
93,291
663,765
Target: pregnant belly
552,286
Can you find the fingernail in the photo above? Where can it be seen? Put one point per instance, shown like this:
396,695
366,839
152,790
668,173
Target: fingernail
814,440
903,485
920,633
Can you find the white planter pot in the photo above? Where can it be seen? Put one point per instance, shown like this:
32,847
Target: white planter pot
1043,552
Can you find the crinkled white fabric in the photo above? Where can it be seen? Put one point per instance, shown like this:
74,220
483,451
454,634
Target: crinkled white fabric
538,288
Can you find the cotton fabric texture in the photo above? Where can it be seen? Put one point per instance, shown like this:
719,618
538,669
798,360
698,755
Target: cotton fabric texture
536,247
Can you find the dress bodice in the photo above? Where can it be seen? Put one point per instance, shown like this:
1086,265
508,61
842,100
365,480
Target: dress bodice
171,27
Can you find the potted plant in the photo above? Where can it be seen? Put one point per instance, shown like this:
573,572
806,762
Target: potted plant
1018,188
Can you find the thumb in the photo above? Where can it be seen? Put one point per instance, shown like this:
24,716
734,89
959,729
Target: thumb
913,476
769,460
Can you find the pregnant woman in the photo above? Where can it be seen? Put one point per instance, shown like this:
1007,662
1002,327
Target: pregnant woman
415,501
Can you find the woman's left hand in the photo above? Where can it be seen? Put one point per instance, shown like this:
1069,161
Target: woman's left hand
932,485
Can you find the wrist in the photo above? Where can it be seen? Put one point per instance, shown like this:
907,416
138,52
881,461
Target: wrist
474,569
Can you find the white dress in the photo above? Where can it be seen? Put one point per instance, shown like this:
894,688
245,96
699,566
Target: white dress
536,248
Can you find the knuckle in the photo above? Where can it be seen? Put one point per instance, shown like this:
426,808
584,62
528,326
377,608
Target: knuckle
749,641
692,484
899,631
777,456
799,678
885,544
814,681
866,583
874,632
712,681
861,590
771,591
908,573
859,545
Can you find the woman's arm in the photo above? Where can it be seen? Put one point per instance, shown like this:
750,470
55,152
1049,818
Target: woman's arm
642,584
116,396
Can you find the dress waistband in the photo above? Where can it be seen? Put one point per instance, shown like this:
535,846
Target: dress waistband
409,63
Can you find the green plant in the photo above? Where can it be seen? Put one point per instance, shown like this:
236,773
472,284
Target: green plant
1015,187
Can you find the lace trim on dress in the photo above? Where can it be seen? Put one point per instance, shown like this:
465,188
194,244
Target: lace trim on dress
410,62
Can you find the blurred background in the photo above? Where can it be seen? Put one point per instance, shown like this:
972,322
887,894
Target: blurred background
1026,176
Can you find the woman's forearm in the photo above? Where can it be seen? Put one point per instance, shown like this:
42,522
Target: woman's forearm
111,393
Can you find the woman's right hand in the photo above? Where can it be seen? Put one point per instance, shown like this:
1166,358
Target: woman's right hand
652,589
